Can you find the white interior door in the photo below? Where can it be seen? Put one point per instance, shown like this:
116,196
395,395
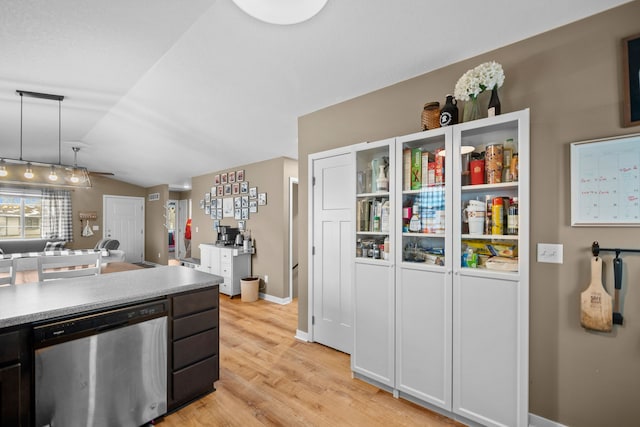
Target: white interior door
124,221
332,235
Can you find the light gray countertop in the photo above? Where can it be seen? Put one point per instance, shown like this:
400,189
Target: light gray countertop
32,302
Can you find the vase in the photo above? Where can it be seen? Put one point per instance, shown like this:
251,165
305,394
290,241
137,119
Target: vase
493,108
471,110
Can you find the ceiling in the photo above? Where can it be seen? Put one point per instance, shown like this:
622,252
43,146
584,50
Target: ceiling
158,91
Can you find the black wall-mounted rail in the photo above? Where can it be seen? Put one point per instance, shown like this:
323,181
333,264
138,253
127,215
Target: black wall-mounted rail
596,249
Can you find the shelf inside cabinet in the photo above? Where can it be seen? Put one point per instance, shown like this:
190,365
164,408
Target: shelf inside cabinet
485,187
372,233
488,237
380,194
434,235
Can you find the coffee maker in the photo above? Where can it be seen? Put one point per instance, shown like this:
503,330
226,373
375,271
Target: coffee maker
227,235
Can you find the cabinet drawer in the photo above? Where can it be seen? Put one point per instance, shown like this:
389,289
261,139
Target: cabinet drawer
195,323
226,271
195,302
9,346
195,380
195,348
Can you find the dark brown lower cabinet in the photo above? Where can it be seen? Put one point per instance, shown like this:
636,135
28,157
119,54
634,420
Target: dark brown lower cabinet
194,346
15,374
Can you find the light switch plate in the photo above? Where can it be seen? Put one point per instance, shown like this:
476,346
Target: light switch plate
550,252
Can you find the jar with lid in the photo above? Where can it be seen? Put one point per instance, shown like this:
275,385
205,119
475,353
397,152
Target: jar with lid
359,249
431,115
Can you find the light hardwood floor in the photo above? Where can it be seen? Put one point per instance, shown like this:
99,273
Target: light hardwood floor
268,378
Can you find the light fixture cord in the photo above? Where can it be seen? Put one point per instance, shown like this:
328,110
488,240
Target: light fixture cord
59,132
20,125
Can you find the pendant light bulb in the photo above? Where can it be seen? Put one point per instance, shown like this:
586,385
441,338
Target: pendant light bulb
28,172
74,178
52,175
3,168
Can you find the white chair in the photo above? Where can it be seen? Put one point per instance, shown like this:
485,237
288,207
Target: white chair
65,266
7,272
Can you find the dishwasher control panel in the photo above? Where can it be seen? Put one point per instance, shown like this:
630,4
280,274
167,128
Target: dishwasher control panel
53,332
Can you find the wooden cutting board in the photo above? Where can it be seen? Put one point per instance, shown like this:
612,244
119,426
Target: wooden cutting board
595,303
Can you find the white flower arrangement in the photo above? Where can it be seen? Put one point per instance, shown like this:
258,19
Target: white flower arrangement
475,81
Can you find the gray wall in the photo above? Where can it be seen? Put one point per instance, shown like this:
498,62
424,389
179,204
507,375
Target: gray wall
570,78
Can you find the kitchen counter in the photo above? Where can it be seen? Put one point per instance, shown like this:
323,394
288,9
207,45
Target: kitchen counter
33,302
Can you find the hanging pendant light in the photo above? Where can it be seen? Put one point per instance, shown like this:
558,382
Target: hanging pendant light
28,172
53,176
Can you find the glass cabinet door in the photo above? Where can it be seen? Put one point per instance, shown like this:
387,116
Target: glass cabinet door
373,203
488,197
424,198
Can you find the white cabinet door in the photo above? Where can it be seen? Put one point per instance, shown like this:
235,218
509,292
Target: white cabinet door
423,339
487,345
373,354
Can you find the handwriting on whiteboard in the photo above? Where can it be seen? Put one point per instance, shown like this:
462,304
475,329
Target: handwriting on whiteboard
608,181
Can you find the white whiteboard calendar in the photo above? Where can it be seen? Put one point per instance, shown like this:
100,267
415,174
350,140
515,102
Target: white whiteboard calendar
605,182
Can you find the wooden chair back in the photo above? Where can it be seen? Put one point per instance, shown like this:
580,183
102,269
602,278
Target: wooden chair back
7,272
65,266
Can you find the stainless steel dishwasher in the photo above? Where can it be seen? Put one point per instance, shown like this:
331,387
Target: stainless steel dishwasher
102,369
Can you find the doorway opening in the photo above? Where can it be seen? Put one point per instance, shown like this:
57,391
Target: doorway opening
293,238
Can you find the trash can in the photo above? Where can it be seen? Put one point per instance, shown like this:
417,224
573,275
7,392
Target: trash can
249,289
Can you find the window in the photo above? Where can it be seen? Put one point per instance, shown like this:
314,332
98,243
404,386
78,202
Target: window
20,217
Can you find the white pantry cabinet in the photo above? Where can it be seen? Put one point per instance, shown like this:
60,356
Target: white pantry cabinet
452,306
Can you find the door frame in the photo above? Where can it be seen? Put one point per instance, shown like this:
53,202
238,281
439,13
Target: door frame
349,150
292,181
105,197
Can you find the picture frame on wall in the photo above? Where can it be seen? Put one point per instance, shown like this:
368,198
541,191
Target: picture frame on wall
207,198
237,202
241,225
216,225
220,190
245,213
240,175
227,207
227,189
207,210
244,187
262,199
237,214
214,203
232,177
245,201
216,179
236,188
253,192
213,213
253,206
223,178
213,191
631,80
219,213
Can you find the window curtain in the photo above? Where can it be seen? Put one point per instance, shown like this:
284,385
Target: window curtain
57,216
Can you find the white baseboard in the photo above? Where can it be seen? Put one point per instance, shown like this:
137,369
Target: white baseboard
538,421
302,335
270,298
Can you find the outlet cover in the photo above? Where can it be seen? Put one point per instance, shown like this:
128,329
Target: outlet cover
550,252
